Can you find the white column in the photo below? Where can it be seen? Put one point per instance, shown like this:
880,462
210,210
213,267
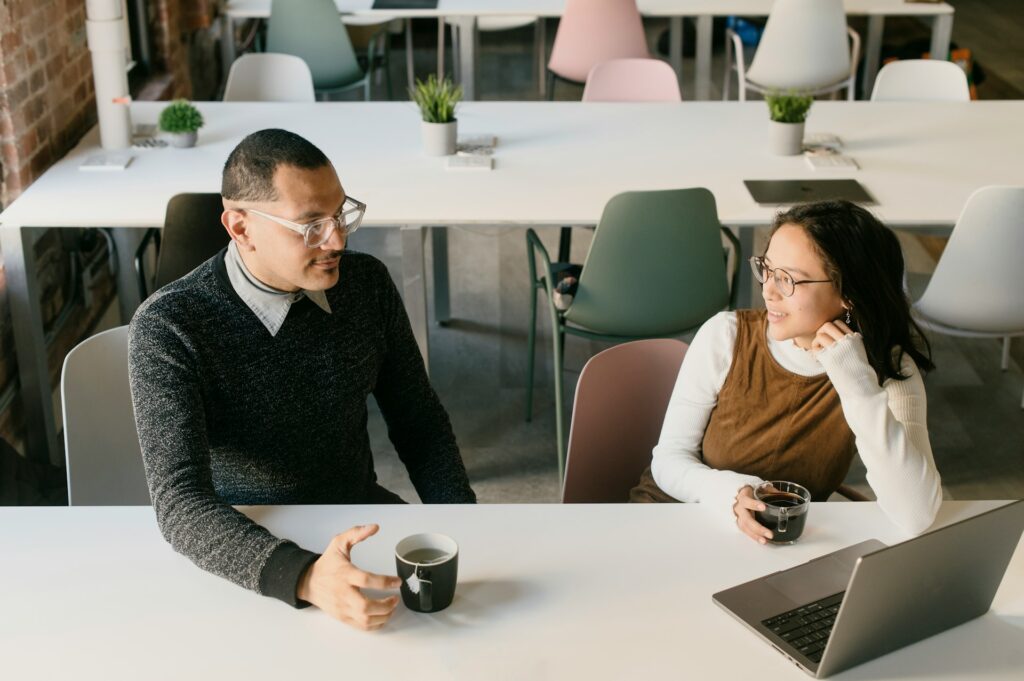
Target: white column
105,30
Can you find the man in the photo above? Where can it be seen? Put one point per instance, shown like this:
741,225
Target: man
250,377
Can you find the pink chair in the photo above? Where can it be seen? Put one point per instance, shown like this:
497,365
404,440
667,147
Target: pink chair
620,405
591,32
632,80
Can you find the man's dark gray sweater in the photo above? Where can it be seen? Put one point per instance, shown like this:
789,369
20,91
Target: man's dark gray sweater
228,414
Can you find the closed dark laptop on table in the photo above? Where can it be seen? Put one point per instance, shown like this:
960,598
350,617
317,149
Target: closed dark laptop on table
784,192
869,599
405,4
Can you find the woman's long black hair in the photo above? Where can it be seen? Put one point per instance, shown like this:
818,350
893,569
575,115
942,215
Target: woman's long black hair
863,260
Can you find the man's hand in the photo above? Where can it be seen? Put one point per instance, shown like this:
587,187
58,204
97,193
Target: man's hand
744,509
332,583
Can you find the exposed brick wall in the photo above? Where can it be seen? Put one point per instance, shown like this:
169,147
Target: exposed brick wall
46,89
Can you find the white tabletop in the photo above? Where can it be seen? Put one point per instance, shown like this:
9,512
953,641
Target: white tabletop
558,162
545,592
553,8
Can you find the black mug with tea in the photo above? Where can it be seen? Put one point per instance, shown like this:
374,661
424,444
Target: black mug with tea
428,565
786,505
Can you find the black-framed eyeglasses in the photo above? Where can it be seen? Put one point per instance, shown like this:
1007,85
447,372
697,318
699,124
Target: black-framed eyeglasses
783,280
317,233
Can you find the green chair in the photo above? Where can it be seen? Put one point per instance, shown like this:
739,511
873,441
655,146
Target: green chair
312,30
655,269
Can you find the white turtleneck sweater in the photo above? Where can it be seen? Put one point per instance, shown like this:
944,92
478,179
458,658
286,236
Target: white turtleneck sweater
889,424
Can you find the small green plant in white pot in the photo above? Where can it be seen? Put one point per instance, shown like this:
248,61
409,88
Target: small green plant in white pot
437,100
181,122
788,112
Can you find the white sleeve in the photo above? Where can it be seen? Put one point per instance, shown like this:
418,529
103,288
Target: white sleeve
677,465
890,425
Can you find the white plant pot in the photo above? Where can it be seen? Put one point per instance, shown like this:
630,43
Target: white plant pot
439,138
183,140
786,139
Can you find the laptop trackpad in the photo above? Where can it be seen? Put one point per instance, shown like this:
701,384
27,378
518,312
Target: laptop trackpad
813,581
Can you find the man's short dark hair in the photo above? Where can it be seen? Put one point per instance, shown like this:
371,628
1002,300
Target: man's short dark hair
249,171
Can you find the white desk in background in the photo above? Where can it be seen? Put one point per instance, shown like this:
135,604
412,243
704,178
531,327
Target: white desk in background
465,12
545,592
556,163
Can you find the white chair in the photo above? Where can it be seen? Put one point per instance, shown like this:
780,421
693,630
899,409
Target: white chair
921,80
977,290
269,77
101,445
803,48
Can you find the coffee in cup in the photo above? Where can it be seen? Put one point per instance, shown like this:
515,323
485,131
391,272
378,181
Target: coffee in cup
428,565
786,505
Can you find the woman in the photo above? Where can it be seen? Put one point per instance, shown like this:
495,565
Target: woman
832,366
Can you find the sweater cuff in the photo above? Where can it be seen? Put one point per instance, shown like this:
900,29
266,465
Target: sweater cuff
847,366
281,574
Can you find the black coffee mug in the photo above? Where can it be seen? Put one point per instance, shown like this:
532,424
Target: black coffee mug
428,565
786,505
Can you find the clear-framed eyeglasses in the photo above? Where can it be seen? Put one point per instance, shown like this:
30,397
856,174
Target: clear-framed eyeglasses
317,233
784,281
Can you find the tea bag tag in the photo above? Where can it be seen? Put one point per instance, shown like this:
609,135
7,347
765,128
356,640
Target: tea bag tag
413,583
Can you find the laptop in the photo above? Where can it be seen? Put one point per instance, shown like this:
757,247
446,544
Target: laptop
785,192
869,599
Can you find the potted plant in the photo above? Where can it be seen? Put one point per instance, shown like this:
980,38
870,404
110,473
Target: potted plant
181,121
437,100
788,112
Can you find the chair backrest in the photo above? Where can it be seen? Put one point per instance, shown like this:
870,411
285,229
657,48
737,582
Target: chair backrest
921,80
101,445
978,284
655,267
804,46
192,234
312,30
594,31
617,416
269,78
632,80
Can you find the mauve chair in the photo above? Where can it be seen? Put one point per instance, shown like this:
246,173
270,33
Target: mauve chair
632,80
591,32
620,405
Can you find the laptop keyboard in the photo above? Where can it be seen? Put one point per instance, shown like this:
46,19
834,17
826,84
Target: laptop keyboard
807,628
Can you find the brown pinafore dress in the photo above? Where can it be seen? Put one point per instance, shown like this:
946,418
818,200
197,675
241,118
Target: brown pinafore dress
770,422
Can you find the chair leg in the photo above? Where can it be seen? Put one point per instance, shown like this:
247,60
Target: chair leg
542,48
410,72
531,351
559,348
1005,364
564,244
550,89
456,62
728,70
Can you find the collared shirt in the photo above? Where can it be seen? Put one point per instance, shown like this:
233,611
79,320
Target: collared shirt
270,305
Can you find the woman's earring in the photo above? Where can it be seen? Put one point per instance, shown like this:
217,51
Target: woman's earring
847,316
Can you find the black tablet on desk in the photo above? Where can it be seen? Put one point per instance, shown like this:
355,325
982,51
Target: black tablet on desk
404,4
784,192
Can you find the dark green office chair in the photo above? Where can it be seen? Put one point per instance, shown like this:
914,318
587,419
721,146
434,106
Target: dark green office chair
312,30
655,269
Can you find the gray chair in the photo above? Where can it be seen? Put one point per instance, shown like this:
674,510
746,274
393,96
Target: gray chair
101,445
312,30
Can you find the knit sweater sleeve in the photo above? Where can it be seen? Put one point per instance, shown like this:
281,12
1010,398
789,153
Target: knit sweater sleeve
418,425
677,465
165,384
890,425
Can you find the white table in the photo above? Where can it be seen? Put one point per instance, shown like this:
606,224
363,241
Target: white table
545,592
465,13
557,163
